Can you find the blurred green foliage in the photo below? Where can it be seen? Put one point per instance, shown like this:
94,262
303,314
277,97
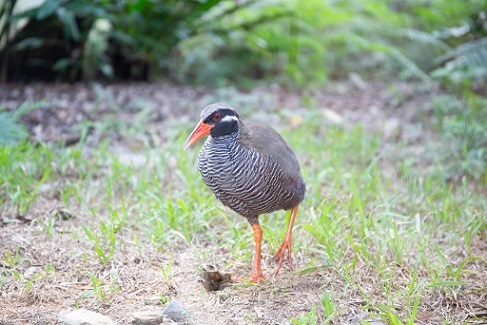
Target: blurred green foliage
11,131
215,42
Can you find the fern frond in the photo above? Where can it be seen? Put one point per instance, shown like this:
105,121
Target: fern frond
419,37
379,46
471,56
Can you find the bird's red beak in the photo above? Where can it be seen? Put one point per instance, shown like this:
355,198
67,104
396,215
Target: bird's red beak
199,131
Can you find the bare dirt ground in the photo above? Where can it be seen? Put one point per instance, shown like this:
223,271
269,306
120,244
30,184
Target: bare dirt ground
378,107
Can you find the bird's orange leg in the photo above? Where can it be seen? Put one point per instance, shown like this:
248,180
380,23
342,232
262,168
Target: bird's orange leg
286,244
257,274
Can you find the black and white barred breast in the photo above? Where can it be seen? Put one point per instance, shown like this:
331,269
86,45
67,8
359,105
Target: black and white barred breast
245,180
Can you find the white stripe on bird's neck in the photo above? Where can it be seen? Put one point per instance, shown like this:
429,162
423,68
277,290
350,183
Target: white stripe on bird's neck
228,118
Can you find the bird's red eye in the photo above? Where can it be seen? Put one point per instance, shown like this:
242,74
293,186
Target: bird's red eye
217,117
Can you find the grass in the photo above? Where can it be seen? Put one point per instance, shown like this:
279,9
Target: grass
385,239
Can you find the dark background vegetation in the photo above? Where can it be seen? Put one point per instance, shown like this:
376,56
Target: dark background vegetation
244,42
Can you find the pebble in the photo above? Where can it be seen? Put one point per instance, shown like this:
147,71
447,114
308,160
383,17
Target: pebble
84,317
148,318
154,300
175,311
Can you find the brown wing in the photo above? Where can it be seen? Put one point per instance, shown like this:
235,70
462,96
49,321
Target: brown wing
267,141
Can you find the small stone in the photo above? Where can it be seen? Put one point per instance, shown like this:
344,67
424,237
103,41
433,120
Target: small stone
148,318
84,317
175,311
154,300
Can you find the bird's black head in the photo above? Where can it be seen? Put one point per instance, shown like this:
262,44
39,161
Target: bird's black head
218,120
222,118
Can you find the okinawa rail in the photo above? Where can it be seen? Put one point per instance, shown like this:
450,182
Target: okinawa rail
250,169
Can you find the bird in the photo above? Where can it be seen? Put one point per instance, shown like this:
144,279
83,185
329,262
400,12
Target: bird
252,170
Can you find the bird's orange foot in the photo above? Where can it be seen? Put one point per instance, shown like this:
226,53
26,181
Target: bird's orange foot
257,277
279,256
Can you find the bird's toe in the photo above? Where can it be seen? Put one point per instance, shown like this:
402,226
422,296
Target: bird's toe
257,277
